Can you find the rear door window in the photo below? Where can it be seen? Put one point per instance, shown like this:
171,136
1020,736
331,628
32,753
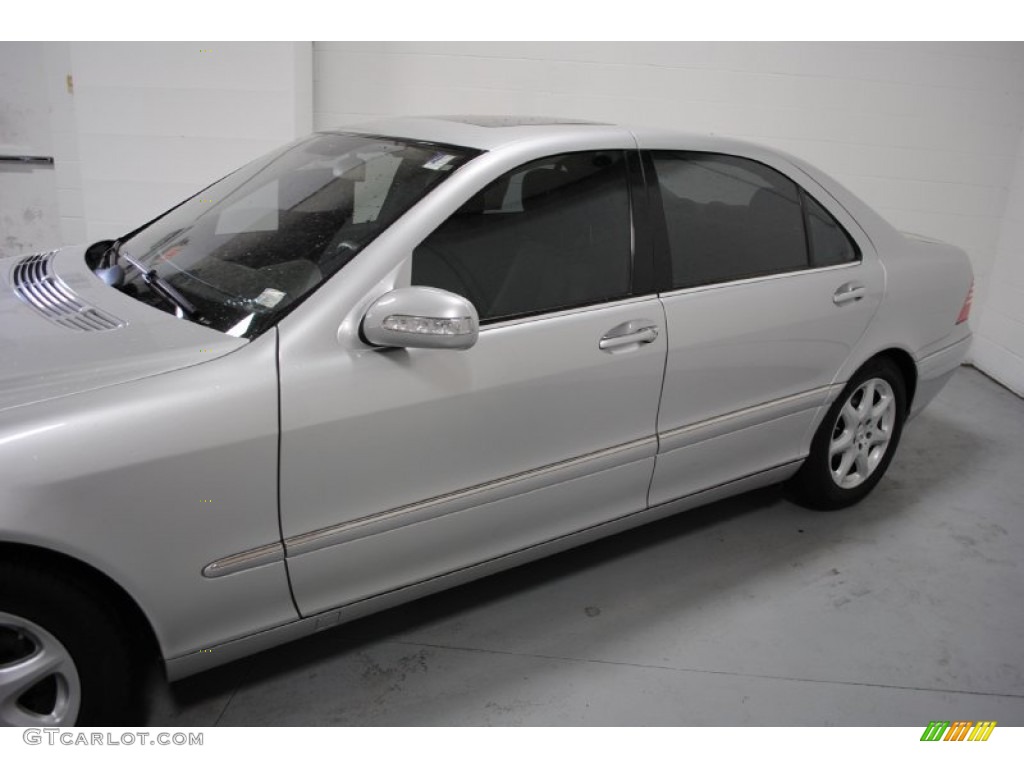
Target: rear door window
728,218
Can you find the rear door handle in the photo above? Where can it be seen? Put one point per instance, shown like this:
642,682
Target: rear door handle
634,333
848,292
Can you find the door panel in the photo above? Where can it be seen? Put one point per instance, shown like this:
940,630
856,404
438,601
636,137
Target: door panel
404,555
448,458
748,353
398,466
771,293
688,468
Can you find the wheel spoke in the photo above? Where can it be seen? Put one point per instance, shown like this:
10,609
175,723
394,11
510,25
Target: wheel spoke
841,443
63,715
48,659
864,407
879,437
872,458
849,415
844,464
861,461
16,678
884,402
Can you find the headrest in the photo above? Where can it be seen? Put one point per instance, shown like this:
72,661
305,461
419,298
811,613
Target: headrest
538,183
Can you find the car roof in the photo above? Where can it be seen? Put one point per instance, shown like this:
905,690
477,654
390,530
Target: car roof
488,132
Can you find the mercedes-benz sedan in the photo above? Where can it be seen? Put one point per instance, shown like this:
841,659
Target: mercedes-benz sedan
385,360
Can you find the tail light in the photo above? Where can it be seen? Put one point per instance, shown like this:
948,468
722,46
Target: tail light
965,310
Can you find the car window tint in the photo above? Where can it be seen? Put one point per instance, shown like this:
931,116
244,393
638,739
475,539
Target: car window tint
829,242
549,235
728,218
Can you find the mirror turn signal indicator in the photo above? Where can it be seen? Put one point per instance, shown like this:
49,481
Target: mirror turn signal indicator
432,326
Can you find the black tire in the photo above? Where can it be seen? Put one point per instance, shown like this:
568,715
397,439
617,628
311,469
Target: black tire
76,615
813,485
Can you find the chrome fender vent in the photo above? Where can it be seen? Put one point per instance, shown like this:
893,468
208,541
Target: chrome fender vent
36,284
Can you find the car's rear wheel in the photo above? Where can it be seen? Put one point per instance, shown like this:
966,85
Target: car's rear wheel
855,441
64,659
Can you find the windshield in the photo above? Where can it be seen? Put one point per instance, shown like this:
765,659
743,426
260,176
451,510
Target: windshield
247,249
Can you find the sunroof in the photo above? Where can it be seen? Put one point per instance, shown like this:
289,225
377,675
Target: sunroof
511,121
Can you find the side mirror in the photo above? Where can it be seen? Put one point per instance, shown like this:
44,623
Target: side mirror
421,317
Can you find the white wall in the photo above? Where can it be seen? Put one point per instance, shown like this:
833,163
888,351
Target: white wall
999,339
147,124
927,133
28,194
154,122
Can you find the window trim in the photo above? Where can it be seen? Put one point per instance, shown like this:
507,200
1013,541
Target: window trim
639,245
511,322
643,268
757,279
659,221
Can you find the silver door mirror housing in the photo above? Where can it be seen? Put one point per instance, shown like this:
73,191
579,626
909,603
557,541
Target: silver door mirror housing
424,317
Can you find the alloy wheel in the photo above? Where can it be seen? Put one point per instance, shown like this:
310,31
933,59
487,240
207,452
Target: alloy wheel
862,433
39,683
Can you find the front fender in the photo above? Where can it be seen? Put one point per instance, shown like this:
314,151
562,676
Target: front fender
151,480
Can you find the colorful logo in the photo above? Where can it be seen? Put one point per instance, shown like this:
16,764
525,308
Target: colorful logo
959,730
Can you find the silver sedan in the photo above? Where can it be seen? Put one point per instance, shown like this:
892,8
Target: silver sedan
386,360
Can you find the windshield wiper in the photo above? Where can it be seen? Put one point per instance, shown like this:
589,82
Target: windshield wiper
161,286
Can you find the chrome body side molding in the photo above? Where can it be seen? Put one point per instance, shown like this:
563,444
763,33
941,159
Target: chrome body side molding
745,417
456,501
251,558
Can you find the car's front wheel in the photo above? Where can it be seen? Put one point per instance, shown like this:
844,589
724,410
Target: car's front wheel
64,659
855,441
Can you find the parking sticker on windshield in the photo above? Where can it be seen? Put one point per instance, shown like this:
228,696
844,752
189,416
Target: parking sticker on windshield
270,298
438,162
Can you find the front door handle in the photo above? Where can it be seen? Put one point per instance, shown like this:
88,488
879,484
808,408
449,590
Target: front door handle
848,292
631,334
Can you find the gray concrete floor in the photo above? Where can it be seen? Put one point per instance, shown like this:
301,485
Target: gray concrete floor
752,611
